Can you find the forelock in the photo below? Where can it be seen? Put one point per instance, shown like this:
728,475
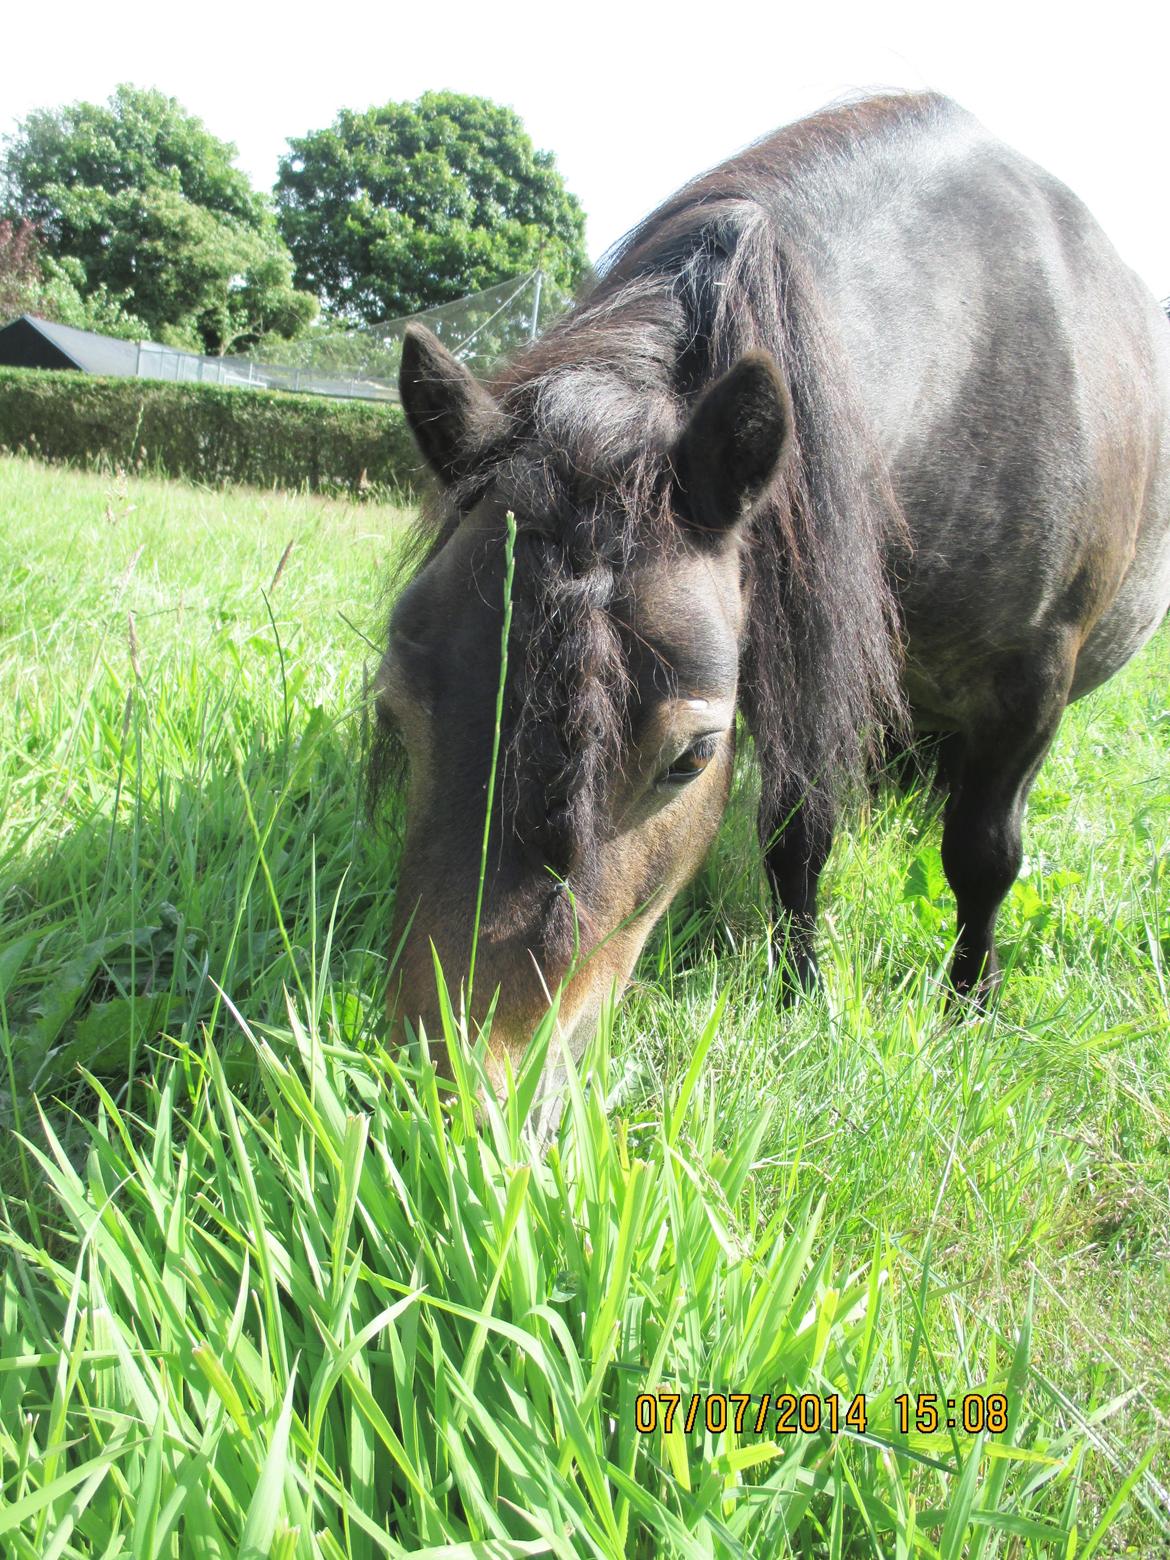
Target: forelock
568,693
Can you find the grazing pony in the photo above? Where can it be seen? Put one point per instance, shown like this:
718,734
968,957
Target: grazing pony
865,431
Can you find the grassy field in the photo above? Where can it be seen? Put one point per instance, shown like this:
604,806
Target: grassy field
267,1290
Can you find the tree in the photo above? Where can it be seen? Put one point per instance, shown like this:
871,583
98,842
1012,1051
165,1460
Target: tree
20,269
401,207
32,283
146,207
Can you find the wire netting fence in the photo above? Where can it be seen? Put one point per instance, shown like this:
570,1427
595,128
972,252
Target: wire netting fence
362,364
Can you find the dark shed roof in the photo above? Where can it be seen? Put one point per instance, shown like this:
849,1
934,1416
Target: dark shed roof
30,342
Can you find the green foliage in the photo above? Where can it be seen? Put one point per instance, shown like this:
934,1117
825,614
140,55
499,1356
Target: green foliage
31,282
409,205
20,270
265,1289
206,433
146,207
63,295
354,1311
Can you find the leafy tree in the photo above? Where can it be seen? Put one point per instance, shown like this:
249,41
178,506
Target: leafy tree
20,269
203,281
147,208
32,283
409,205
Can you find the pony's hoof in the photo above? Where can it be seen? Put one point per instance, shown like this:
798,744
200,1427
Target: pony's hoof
800,976
973,986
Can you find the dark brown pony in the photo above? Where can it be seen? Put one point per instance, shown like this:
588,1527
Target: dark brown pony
864,431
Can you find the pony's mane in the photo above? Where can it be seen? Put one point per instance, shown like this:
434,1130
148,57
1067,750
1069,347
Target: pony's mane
592,411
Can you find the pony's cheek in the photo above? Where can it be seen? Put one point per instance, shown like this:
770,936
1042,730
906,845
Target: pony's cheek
646,865
695,819
705,815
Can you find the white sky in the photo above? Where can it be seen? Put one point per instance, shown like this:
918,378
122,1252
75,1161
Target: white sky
634,99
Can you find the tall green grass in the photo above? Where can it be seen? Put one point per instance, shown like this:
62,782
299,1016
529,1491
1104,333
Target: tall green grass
269,1290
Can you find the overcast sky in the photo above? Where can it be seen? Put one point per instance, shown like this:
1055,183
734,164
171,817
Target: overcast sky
634,99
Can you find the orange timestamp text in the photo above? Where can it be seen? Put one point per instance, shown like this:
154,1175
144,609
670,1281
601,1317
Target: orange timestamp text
804,1413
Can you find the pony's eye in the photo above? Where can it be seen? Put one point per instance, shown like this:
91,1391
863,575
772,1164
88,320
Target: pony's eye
692,761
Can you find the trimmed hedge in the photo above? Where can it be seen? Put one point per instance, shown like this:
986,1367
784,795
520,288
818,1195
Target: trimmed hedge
207,433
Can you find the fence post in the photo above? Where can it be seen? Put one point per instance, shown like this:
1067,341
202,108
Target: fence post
533,328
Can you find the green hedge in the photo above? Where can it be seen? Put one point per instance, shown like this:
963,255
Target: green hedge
207,433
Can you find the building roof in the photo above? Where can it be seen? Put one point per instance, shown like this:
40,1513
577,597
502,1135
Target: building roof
83,349
30,342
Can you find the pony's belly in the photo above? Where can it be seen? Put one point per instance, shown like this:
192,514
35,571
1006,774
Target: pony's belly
953,682
942,694
1133,616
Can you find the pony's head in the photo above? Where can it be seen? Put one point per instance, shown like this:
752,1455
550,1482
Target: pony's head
614,754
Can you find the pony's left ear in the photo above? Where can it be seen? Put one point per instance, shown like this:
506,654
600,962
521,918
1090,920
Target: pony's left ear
732,445
450,413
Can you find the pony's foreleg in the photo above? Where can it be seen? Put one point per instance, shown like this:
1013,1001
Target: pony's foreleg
796,836
990,772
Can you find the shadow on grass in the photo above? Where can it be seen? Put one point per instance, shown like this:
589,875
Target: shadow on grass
253,879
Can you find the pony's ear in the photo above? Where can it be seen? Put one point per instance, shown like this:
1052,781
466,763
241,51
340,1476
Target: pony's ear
450,413
735,440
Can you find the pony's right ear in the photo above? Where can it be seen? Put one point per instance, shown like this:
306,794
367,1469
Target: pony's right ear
450,413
